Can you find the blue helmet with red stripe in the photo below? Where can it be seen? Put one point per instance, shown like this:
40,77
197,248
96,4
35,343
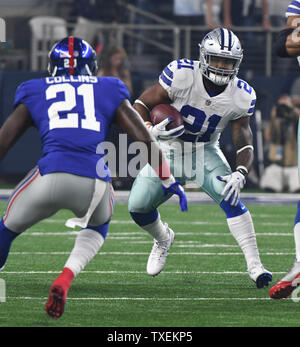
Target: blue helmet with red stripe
221,54
72,56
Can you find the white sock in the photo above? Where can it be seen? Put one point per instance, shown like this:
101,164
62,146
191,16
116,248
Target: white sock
87,245
157,230
242,229
297,240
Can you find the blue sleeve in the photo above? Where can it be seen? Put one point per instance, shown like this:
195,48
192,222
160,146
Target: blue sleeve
20,95
123,91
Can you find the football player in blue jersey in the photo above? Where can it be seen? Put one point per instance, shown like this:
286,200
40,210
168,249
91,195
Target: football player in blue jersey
72,110
288,45
209,95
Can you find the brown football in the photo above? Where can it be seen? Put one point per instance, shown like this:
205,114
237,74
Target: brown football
163,111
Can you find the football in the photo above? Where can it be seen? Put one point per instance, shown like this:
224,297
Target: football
163,111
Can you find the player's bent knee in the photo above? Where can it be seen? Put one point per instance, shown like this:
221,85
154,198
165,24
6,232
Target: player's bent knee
233,211
138,203
143,219
101,229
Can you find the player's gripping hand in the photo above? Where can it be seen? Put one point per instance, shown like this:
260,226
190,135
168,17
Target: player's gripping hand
160,132
235,182
176,188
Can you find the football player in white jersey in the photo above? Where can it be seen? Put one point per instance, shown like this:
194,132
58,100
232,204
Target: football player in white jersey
288,45
209,95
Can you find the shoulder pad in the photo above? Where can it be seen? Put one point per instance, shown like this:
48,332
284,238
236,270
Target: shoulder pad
293,9
178,74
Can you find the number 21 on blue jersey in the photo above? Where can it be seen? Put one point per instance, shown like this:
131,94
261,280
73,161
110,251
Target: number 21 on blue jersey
72,119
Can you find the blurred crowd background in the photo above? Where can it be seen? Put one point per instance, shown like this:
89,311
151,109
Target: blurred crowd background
135,40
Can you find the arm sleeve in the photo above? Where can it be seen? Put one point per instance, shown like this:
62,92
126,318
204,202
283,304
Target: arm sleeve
20,96
177,78
245,101
123,91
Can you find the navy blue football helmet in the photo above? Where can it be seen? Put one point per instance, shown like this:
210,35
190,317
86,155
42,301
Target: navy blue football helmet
72,56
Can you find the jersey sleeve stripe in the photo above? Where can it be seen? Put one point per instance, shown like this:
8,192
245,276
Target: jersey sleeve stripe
168,72
165,80
292,11
296,3
251,110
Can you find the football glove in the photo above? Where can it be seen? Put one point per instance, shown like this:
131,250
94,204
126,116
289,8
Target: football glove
159,130
235,182
176,188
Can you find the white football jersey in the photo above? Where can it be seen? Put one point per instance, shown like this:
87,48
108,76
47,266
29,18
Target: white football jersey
205,116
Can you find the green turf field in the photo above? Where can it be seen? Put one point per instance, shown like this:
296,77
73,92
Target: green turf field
204,282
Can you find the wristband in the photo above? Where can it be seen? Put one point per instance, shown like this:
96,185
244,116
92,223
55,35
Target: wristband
243,170
245,147
137,101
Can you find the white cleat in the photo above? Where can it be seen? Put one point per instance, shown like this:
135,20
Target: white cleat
158,255
260,276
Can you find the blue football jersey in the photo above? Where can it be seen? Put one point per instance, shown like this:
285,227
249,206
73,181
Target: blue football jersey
73,116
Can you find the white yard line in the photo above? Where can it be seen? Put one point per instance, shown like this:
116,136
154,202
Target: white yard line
111,272
128,221
147,253
114,235
142,299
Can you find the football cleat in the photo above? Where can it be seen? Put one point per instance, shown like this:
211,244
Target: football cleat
158,255
284,288
260,276
55,305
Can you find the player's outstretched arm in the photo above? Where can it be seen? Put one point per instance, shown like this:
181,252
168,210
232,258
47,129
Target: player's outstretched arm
131,122
13,128
243,140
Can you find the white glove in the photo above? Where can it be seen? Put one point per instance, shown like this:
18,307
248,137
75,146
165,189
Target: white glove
235,182
159,130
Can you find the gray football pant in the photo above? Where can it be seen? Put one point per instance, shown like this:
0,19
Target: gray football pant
38,197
